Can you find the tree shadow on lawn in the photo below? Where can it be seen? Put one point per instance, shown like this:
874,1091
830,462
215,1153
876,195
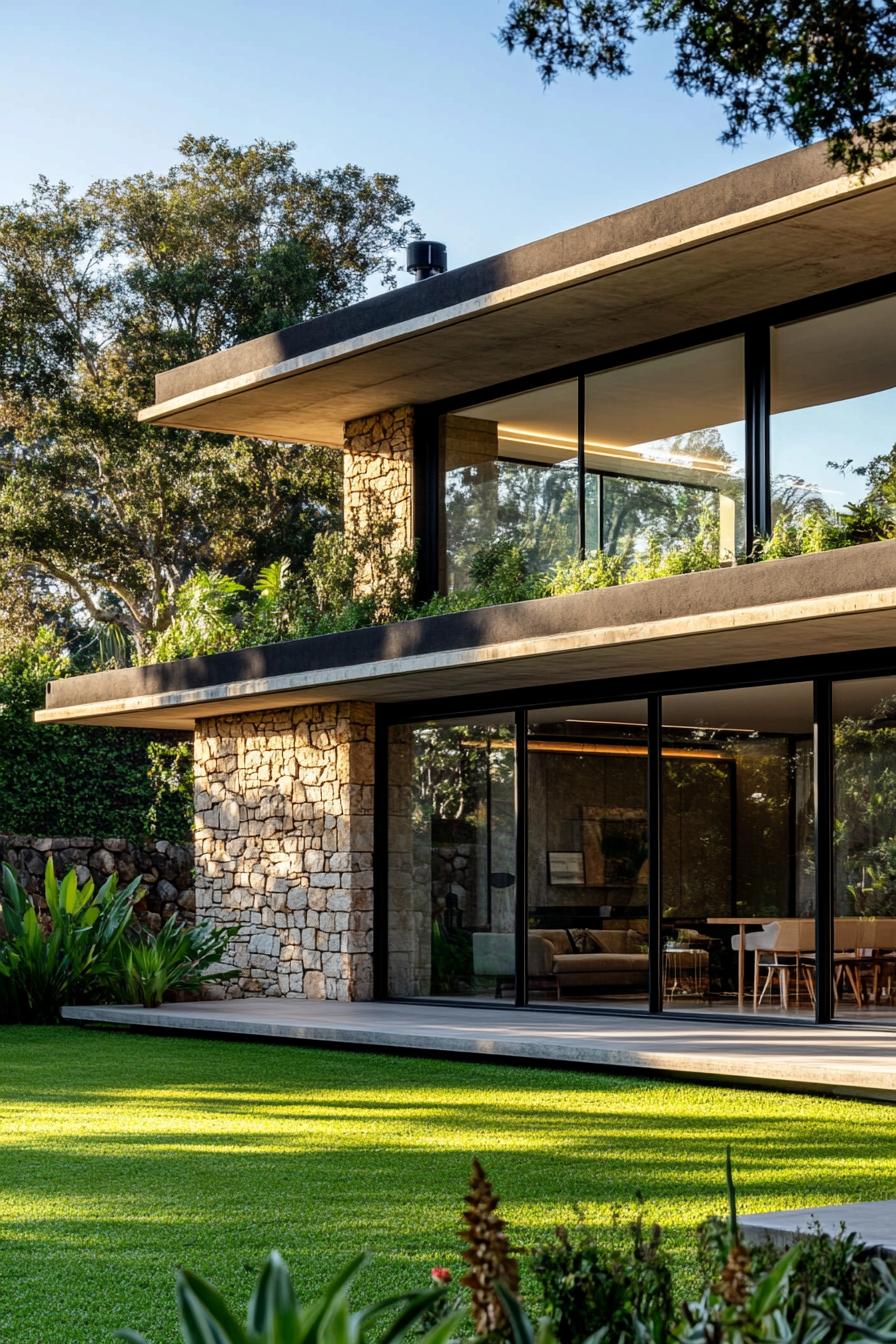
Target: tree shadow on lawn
121,1157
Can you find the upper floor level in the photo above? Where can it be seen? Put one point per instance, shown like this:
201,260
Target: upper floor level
661,387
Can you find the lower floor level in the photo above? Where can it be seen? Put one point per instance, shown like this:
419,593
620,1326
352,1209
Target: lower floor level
719,844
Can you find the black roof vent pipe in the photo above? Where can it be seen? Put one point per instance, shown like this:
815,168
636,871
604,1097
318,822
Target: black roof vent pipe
426,259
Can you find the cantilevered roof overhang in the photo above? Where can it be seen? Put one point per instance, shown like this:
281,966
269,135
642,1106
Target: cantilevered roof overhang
832,603
780,231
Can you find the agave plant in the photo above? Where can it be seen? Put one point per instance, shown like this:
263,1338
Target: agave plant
275,1315
65,953
179,957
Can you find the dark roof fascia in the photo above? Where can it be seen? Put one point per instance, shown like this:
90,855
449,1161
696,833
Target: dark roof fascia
797,170
856,569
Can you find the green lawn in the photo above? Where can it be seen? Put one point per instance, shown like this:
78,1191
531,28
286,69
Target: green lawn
122,1156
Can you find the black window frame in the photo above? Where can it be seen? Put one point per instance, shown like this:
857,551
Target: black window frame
755,329
821,672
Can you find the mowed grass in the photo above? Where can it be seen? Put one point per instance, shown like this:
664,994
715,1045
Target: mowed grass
123,1156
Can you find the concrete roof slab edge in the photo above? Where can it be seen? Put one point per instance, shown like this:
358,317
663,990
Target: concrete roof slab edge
251,364
862,578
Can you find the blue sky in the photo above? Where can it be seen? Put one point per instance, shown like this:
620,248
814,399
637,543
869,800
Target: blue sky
422,89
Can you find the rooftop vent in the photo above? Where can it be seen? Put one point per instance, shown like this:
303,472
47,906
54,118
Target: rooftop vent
426,259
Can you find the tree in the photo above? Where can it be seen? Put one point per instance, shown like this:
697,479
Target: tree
99,291
808,68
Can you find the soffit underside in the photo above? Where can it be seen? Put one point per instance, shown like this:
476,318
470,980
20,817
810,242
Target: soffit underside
833,245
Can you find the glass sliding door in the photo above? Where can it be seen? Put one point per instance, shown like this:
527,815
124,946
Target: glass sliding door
738,894
864,934
587,855
451,858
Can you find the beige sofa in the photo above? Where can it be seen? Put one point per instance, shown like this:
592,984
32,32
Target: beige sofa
614,961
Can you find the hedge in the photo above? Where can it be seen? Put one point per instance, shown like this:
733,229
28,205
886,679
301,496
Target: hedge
57,779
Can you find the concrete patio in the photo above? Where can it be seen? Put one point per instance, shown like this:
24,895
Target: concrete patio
792,1057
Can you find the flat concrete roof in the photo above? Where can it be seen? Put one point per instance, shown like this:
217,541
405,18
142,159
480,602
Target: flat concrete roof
785,229
833,602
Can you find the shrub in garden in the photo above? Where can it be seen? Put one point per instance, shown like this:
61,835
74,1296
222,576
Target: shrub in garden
582,1280
64,952
83,945
275,1315
594,570
179,957
821,1291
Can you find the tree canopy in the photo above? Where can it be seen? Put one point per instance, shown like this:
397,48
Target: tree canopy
808,68
99,291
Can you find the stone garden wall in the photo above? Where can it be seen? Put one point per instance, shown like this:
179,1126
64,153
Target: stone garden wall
284,846
165,870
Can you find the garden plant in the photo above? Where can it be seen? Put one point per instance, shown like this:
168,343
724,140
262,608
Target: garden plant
85,945
819,1291
212,613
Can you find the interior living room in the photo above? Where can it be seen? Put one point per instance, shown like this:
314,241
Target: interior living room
736,851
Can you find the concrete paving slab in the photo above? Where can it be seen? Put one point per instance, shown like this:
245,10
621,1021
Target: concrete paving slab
874,1223
789,1057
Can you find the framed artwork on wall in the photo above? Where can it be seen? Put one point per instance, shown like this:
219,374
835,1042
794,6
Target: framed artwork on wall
566,868
615,841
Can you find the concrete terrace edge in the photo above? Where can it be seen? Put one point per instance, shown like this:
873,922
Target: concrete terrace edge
801,588
485,1046
872,1221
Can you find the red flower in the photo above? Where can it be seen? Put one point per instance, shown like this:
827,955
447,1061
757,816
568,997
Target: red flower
439,1275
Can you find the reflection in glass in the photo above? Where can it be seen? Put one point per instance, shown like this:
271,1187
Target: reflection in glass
738,894
511,475
833,425
451,858
666,439
588,858
865,848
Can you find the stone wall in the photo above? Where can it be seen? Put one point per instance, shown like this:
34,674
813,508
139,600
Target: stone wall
165,870
378,474
284,846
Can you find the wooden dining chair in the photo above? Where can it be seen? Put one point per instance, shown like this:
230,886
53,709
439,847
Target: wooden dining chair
781,949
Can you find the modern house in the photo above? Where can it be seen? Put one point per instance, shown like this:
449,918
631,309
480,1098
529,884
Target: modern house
671,795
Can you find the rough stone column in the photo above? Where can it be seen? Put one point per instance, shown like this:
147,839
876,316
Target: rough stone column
284,846
378,474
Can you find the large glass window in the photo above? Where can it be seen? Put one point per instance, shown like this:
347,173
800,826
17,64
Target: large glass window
588,862
511,474
452,881
833,405
738,893
665,439
865,849
663,466
737,914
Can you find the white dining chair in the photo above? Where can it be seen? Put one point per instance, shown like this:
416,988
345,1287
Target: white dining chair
764,940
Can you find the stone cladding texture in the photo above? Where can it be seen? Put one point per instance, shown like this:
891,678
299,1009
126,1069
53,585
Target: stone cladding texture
378,472
284,847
